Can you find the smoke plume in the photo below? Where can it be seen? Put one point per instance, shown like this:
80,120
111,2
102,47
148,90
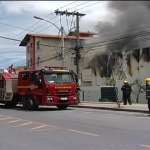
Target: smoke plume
132,18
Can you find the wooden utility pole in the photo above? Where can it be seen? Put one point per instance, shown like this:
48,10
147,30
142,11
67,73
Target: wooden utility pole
77,44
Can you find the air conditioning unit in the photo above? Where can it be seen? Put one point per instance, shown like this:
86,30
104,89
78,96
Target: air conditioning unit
109,93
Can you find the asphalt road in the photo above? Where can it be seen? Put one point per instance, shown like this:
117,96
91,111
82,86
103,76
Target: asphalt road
73,129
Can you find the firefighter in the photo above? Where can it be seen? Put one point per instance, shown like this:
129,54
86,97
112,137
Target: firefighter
126,89
148,92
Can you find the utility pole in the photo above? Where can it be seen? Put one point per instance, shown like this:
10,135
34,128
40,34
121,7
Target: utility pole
77,44
63,52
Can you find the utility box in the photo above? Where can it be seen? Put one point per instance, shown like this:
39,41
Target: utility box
109,94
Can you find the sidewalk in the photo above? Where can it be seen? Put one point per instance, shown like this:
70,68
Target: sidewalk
113,106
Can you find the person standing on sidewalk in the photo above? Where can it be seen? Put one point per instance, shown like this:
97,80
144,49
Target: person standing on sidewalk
148,92
126,89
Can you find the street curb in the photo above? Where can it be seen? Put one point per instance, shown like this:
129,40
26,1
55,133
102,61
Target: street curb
114,109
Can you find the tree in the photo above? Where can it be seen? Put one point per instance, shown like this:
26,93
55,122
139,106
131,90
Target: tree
110,81
138,87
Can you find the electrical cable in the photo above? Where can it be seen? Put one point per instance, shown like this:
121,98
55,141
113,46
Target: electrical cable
52,18
99,49
44,18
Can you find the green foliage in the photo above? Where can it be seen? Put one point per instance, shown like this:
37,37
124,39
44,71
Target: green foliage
139,87
110,81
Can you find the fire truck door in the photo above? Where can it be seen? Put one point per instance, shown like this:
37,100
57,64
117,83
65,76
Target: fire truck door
36,82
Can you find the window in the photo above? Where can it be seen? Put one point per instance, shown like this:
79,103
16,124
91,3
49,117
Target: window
14,76
38,61
74,43
31,62
24,76
28,64
34,76
73,61
38,45
59,56
28,49
82,61
31,45
59,78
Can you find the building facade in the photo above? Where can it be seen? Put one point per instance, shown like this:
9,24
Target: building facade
133,66
46,50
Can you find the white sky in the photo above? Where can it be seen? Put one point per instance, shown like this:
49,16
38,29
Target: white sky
20,14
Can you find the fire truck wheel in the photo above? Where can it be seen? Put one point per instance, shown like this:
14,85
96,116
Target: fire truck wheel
30,103
62,107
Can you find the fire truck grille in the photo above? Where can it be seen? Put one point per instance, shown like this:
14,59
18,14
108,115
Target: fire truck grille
63,101
63,92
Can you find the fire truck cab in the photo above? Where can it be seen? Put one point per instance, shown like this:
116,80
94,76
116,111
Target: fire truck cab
49,86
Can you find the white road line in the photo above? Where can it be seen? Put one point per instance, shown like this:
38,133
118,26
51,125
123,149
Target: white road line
87,112
144,118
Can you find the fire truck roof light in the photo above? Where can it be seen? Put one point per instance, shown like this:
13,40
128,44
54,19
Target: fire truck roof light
60,70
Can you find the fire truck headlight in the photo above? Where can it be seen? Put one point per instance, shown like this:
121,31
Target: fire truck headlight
50,99
75,98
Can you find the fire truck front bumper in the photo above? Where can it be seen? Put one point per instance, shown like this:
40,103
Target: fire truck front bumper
54,100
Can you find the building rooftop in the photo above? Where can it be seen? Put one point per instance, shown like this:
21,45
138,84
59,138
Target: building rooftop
83,33
27,37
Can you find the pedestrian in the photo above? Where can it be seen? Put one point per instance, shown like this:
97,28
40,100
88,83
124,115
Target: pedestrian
126,89
148,92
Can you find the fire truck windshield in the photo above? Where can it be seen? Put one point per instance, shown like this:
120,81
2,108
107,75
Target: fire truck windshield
60,78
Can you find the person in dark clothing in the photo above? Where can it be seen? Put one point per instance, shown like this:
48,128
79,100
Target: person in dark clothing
126,89
148,92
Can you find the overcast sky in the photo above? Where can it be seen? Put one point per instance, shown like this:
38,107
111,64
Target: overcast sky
20,14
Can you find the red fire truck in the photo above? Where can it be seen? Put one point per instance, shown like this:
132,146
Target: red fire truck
50,86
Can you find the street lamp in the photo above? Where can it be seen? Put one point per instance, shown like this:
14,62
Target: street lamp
62,31
36,17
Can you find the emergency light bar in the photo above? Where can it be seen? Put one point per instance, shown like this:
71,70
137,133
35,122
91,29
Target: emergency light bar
60,70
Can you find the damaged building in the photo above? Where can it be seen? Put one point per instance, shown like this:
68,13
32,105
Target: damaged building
121,52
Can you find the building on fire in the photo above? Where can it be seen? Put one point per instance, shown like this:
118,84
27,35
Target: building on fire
132,65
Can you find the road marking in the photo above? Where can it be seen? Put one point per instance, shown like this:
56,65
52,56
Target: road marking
5,118
82,132
87,112
38,127
30,121
148,146
42,125
24,124
48,129
13,121
144,118
109,114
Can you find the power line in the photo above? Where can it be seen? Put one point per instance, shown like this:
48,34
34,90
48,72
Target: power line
90,5
44,17
50,20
